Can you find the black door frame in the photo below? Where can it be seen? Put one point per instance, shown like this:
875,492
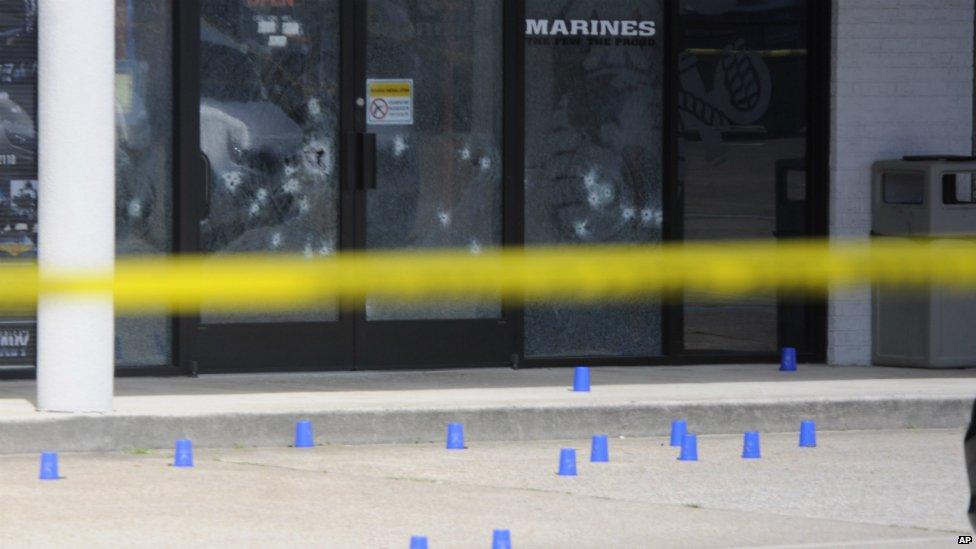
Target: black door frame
186,168
234,347
811,341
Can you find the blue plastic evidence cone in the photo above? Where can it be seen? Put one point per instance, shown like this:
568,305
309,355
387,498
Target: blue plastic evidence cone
787,360
418,542
183,457
581,379
678,429
750,446
501,539
567,462
808,434
49,466
599,450
303,434
689,448
455,436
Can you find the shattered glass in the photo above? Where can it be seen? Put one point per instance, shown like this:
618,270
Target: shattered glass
439,180
594,122
144,151
269,115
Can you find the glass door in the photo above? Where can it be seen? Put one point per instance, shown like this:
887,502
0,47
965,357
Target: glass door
433,97
318,127
747,151
269,116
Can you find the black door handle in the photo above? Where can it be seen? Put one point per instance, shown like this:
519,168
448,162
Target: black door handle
349,160
367,164
357,152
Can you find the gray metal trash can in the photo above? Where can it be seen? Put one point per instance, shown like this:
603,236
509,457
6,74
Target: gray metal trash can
933,198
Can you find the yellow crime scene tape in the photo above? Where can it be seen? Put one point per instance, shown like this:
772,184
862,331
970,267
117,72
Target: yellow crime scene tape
247,283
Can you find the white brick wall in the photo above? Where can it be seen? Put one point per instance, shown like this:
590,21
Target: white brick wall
902,83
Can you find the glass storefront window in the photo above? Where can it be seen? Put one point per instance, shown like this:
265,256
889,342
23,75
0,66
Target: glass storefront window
595,171
18,168
594,167
144,162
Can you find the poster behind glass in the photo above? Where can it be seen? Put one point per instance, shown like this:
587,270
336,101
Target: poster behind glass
18,167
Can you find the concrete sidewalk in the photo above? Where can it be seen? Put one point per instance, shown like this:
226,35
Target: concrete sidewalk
494,404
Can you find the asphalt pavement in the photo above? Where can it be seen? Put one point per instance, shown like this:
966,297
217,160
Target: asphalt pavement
903,488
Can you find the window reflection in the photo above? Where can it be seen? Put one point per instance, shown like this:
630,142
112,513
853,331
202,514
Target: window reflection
269,118
143,112
742,103
440,177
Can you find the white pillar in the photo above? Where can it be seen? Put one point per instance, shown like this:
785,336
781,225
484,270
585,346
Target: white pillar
76,200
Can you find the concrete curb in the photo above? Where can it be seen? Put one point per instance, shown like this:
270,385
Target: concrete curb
113,432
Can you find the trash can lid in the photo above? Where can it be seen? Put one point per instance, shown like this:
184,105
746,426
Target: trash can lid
939,158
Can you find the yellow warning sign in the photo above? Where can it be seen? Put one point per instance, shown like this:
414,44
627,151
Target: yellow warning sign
124,92
391,89
389,102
